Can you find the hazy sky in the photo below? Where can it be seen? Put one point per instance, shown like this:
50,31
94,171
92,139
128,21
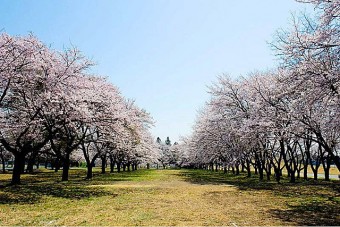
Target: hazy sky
162,53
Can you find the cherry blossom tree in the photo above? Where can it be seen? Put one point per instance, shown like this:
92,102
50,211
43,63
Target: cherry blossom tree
310,57
30,73
287,118
50,103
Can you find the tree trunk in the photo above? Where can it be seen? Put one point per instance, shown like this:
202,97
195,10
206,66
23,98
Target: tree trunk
66,167
292,177
327,167
259,167
89,171
56,164
248,168
305,170
90,164
315,170
3,164
103,164
327,174
336,160
112,167
329,150
243,167
30,164
298,173
315,174
37,163
261,173
19,164
277,174
147,166
118,167
268,173
269,168
112,164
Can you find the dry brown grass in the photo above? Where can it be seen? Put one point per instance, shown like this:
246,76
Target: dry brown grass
164,197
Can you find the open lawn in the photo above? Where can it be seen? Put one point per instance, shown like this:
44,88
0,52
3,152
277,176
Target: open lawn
166,197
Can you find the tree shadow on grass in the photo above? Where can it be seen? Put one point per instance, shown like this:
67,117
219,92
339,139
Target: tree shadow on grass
311,214
216,178
35,186
243,182
47,183
32,193
307,202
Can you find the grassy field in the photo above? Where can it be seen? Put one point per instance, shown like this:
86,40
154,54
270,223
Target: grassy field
166,197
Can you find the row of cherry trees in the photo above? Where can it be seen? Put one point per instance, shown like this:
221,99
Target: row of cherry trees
172,155
51,106
286,119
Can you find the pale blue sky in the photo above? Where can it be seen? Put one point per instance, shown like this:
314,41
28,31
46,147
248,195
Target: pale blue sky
162,53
